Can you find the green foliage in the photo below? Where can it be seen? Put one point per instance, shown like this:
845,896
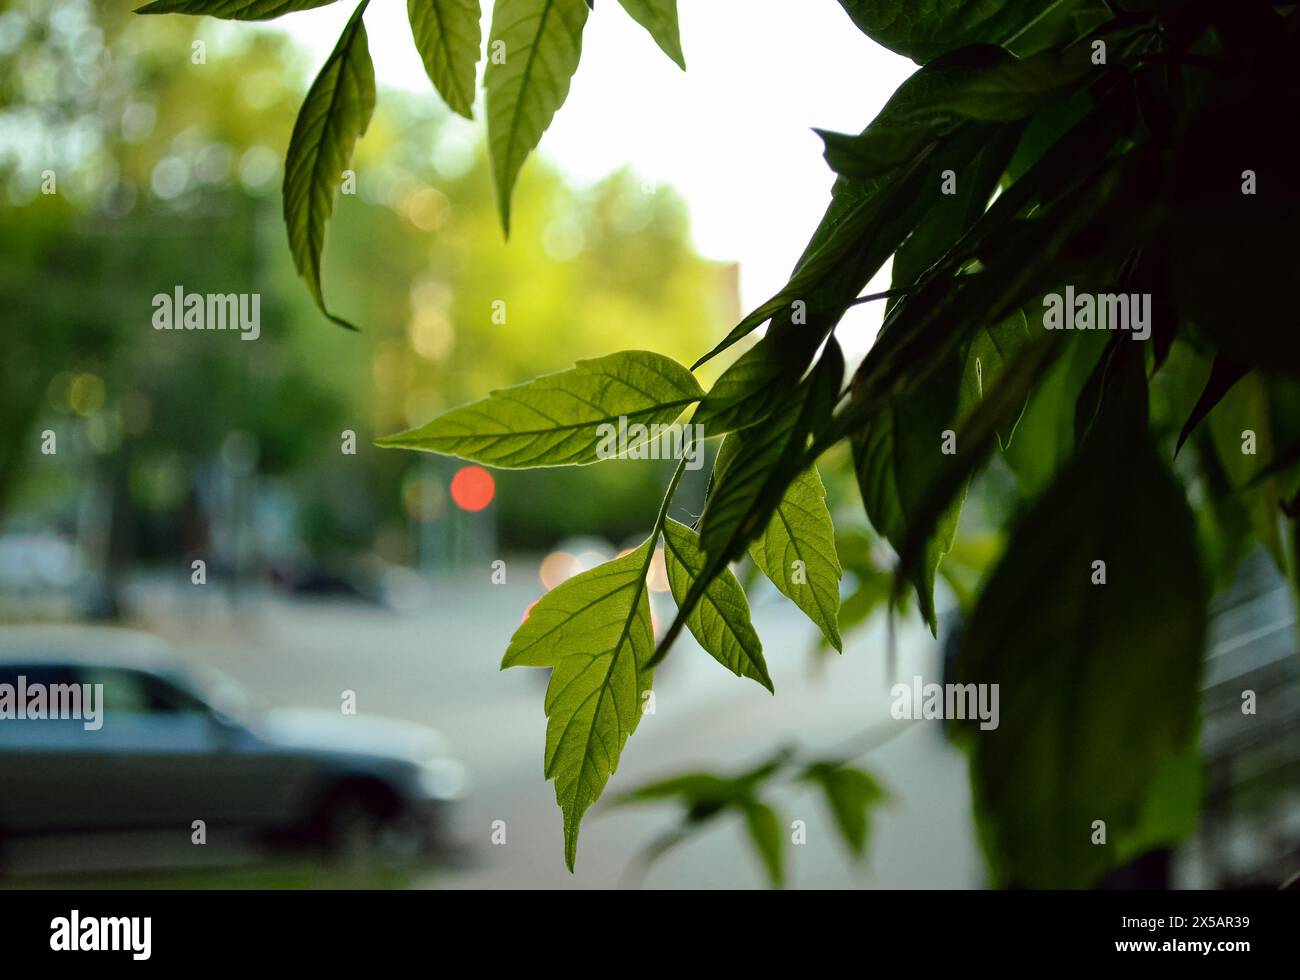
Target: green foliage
850,794
923,29
231,9
447,35
594,631
720,622
1107,688
659,17
556,420
705,797
1038,149
797,551
335,113
533,52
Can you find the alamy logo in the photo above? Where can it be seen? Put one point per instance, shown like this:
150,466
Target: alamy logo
131,934
53,702
656,441
1098,311
952,701
180,310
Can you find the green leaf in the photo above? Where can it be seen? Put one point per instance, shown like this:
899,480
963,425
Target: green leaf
1172,809
1099,682
595,631
1045,436
704,794
231,9
741,502
796,551
720,621
850,794
335,113
742,395
747,493
1245,408
925,29
1223,375
534,50
982,83
864,224
990,355
448,36
899,460
563,419
953,214
659,17
766,835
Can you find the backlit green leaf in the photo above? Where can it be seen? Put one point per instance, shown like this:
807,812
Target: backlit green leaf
720,621
568,418
595,631
797,552
335,113
231,9
532,55
746,493
659,17
448,37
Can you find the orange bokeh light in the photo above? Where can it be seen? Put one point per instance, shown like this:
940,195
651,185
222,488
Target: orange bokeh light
472,488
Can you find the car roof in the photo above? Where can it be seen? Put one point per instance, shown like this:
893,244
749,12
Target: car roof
93,646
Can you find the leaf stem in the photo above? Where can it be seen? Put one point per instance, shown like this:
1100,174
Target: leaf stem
887,294
672,490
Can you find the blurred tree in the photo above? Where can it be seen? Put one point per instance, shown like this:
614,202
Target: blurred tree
163,179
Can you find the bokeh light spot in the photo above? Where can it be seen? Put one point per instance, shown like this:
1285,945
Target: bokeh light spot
472,488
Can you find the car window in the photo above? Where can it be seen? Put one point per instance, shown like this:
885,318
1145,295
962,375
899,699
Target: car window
44,674
136,692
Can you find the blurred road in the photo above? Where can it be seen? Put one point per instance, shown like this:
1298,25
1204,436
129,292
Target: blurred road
438,665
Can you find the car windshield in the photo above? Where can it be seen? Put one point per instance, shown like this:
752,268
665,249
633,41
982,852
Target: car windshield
223,695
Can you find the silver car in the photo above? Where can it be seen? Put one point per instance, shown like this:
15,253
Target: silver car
104,730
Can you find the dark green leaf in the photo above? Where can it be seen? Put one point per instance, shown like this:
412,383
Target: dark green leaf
899,459
563,419
953,214
982,83
991,353
1242,431
925,29
1099,682
1223,375
335,113
865,222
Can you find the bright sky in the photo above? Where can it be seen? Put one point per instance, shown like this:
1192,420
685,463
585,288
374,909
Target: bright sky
733,133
